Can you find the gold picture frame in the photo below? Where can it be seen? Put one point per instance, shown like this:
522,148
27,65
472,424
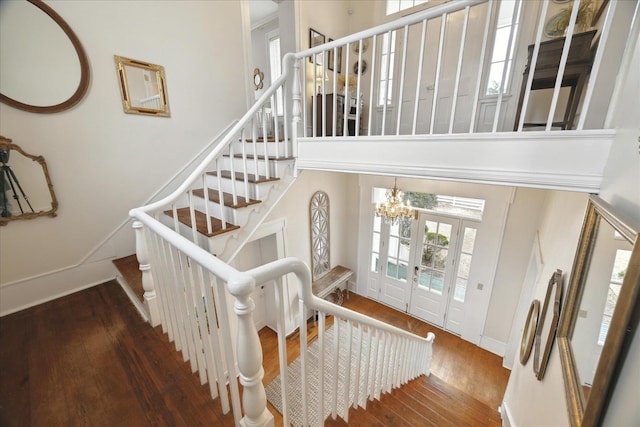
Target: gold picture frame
143,87
586,398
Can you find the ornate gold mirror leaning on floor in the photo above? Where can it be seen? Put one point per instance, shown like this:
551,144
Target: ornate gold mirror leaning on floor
44,68
598,321
547,325
26,191
143,87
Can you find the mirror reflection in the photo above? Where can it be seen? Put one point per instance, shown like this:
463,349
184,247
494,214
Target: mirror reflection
599,320
25,186
142,86
609,260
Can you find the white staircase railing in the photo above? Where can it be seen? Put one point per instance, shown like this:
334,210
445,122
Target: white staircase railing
428,74
190,285
185,285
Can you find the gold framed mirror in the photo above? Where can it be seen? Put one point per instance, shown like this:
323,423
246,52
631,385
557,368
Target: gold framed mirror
598,323
26,191
143,87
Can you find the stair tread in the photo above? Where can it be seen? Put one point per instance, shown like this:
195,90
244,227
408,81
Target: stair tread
129,268
239,176
261,157
262,140
214,196
184,216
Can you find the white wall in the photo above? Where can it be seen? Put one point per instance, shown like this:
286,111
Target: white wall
521,225
342,210
260,53
530,402
104,162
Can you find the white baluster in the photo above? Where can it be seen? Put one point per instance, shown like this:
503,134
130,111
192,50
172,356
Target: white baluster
142,253
249,355
347,374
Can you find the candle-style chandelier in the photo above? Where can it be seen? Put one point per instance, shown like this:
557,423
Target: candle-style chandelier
393,208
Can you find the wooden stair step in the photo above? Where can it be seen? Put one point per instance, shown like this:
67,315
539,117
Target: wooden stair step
272,139
184,216
214,196
239,176
129,268
260,157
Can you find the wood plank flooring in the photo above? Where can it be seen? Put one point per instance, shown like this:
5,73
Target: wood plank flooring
89,359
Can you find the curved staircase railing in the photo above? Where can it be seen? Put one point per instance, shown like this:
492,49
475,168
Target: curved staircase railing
185,241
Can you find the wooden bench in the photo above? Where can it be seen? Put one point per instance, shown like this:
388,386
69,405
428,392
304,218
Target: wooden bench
331,281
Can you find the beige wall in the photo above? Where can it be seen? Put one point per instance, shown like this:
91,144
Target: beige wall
104,162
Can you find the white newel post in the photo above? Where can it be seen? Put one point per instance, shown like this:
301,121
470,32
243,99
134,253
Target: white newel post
150,300
296,112
249,355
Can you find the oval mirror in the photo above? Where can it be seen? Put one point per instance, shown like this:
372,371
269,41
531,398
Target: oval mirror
547,325
529,332
39,77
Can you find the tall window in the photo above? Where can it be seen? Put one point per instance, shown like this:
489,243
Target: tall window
617,275
387,58
501,43
464,264
394,6
275,67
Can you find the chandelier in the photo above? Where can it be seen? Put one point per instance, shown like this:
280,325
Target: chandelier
393,209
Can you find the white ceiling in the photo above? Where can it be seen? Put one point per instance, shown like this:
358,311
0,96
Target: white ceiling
260,9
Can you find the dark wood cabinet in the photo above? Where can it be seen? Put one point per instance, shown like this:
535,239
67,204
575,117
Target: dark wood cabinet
328,115
575,76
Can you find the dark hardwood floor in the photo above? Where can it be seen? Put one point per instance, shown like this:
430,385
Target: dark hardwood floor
89,359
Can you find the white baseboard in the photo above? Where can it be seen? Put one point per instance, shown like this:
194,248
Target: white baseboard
49,286
494,346
505,414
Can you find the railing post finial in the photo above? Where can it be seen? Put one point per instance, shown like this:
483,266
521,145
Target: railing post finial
249,354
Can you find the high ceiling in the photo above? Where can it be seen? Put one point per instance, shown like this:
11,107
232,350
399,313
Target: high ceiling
260,9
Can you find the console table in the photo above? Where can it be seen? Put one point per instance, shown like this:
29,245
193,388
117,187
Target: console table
332,280
575,76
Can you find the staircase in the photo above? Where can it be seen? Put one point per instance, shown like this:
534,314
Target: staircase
425,401
186,241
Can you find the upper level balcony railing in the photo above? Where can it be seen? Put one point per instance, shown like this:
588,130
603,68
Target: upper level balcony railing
466,67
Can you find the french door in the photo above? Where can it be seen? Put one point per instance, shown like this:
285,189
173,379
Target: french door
421,266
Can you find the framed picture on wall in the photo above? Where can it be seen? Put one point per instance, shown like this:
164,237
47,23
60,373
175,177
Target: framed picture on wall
335,63
598,9
315,39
